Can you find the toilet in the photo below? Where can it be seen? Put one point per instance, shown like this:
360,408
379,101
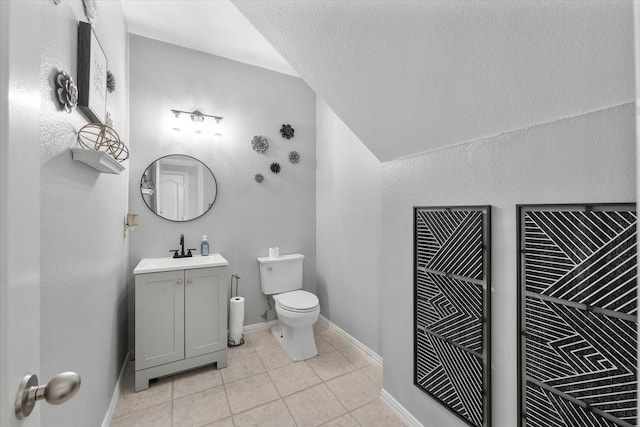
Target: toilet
297,310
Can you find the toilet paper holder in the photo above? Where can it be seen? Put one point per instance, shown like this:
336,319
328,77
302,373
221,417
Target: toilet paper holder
234,342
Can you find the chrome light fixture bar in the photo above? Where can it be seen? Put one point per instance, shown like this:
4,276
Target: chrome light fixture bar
197,117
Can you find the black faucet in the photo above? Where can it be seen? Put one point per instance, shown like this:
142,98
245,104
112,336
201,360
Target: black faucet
180,253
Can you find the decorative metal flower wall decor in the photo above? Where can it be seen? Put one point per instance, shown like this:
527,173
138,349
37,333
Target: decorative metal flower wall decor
275,167
294,157
259,144
67,91
111,82
259,178
287,131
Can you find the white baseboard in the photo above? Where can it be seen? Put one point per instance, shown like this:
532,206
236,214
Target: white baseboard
366,351
116,394
263,326
399,410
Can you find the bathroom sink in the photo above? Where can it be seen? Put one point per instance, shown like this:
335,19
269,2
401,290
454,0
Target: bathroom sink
154,265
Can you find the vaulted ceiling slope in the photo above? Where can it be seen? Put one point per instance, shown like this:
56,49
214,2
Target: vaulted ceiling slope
211,26
412,76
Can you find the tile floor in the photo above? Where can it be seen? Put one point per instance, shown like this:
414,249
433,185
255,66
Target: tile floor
261,387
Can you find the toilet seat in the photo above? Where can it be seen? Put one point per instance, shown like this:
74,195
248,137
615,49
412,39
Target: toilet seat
297,301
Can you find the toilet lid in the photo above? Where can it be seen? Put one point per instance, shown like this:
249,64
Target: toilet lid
297,301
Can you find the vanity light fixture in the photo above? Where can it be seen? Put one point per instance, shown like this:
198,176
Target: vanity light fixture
197,117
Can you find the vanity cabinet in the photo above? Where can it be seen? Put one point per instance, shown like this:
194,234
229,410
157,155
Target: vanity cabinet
180,321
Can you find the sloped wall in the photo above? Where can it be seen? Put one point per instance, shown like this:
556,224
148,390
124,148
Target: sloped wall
349,230
584,159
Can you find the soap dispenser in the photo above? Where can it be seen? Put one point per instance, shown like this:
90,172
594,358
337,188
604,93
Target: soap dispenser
204,246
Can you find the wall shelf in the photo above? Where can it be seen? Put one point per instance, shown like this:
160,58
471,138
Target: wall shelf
99,160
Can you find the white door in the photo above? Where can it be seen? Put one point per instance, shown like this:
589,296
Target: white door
171,197
19,203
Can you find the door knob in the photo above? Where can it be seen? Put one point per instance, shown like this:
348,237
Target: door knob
61,388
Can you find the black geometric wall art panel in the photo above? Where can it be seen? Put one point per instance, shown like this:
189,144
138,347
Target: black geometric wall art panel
452,309
578,315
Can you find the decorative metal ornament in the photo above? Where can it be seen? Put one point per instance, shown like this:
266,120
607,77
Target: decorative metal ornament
259,178
111,82
67,91
275,167
96,136
294,157
108,120
90,10
259,144
577,301
451,309
287,131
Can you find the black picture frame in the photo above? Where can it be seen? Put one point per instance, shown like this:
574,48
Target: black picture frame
452,270
92,75
567,402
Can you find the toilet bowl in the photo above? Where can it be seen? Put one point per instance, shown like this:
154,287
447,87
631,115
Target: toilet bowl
297,312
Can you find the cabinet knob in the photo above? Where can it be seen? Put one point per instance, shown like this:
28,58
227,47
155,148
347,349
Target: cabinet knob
179,282
189,280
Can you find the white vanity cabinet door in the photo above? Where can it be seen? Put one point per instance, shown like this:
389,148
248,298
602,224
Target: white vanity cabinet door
205,311
159,318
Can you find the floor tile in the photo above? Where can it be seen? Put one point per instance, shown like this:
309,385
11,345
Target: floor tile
241,367
323,345
262,339
293,378
374,373
262,387
330,365
155,416
354,390
335,339
314,406
237,350
376,414
200,408
320,326
227,422
274,357
344,421
354,356
274,414
251,392
159,392
195,381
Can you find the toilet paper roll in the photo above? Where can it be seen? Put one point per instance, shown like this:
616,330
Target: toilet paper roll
236,318
274,252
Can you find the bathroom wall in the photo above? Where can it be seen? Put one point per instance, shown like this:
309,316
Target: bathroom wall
82,248
349,229
247,217
585,159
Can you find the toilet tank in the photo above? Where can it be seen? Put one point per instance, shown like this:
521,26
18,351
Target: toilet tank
281,274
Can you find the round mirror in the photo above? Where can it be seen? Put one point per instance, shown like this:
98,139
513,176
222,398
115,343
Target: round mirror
178,187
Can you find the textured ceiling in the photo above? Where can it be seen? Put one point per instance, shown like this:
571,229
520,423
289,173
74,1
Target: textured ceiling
211,26
412,76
